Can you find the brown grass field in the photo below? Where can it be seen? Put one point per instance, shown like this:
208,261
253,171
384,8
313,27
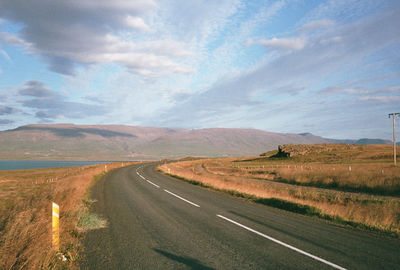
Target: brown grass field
25,215
355,185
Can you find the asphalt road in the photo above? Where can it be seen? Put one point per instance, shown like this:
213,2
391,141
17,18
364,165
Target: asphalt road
158,222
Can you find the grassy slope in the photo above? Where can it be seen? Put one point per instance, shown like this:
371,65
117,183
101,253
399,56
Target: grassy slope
25,215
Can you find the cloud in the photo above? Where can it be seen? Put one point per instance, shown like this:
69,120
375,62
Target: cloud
13,39
164,47
44,115
137,23
66,35
3,97
6,122
284,43
5,110
94,99
325,23
347,88
197,20
337,90
49,108
383,99
5,55
289,74
392,89
52,105
36,89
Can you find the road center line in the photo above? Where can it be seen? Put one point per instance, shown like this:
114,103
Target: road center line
283,244
183,199
157,186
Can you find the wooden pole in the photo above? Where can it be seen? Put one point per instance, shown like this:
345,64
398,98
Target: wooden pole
394,139
394,136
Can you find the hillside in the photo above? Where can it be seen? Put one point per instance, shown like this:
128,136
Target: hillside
336,152
364,141
119,142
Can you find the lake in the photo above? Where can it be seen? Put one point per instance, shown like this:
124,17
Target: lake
41,164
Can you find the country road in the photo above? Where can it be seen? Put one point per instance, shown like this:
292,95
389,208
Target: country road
158,222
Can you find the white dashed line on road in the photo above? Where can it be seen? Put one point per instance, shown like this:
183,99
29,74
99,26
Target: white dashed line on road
183,199
283,244
157,186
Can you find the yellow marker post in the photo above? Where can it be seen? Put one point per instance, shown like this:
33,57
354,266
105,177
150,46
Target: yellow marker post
56,227
105,168
169,171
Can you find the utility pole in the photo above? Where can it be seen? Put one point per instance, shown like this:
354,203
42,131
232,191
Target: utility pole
394,135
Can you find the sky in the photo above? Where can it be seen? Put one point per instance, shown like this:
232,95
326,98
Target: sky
327,67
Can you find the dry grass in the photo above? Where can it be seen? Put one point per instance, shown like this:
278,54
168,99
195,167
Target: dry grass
379,178
353,192
25,215
337,153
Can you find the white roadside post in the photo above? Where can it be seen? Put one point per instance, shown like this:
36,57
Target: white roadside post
56,226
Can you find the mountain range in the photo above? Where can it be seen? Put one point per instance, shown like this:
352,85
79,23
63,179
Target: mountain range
119,142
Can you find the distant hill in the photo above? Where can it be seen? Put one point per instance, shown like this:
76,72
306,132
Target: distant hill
372,141
119,142
363,141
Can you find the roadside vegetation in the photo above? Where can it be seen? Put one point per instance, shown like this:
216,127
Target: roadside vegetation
348,184
25,215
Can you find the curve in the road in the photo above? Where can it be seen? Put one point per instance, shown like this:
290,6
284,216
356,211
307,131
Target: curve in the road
158,222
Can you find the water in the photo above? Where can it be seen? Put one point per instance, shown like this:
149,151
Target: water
40,164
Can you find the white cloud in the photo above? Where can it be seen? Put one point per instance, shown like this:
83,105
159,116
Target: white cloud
164,47
196,21
343,10
392,89
384,99
13,39
284,43
66,34
295,73
137,23
5,55
317,25
249,42
137,5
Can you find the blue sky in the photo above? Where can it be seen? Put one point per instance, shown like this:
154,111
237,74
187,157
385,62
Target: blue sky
327,67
